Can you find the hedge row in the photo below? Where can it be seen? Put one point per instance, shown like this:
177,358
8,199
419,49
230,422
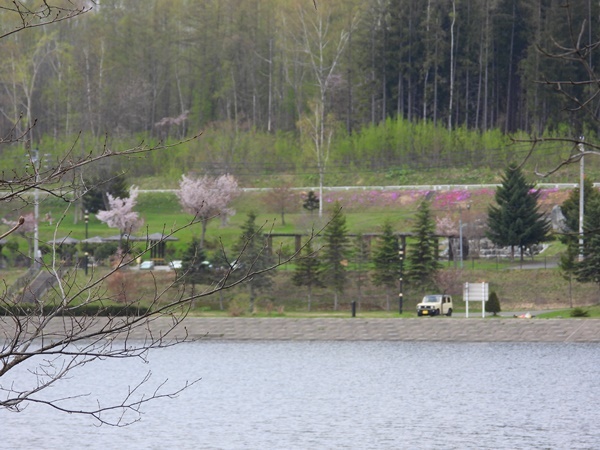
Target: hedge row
90,310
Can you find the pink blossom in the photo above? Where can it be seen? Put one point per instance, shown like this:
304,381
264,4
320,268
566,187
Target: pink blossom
208,197
120,214
445,226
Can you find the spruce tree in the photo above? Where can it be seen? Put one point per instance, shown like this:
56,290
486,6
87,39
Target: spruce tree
311,202
493,304
422,257
515,220
588,270
570,210
361,259
102,184
386,261
254,258
195,269
308,271
335,253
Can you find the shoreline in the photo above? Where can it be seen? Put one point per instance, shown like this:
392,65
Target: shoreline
350,329
356,329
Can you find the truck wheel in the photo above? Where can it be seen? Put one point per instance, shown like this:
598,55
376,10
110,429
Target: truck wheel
449,312
437,312
419,313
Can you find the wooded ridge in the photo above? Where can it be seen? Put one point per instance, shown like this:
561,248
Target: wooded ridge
387,81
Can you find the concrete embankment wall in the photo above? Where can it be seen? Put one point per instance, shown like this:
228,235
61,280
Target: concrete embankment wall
336,329
428,329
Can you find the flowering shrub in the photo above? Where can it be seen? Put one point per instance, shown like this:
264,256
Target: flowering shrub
444,199
356,199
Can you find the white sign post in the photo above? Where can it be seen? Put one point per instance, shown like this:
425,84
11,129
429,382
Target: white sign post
476,292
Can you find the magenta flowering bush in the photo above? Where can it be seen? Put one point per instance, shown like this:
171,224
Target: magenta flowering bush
446,199
479,199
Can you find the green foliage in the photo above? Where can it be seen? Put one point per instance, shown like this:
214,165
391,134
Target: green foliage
254,257
195,267
516,220
308,271
422,256
103,183
89,310
579,312
311,202
588,270
570,209
493,304
336,252
385,258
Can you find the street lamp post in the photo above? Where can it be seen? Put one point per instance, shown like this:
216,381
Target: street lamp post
460,233
86,219
401,287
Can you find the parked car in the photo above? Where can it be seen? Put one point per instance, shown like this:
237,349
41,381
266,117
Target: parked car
147,265
434,305
177,264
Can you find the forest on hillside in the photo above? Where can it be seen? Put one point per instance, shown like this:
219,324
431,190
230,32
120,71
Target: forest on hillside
279,86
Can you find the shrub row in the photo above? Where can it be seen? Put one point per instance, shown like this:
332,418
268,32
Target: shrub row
90,310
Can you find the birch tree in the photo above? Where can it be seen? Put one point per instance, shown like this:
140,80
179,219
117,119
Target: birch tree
315,40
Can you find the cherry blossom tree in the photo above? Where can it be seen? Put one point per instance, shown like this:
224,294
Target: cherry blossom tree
121,214
207,198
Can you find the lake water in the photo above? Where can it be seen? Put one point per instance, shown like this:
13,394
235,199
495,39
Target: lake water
338,395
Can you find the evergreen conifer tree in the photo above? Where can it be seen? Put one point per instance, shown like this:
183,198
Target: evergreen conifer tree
308,271
254,258
422,257
567,266
386,261
493,304
104,183
361,258
195,269
311,202
588,270
570,210
335,256
515,220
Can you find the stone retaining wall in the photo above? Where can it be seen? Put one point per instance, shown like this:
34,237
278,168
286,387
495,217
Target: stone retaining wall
428,329
452,329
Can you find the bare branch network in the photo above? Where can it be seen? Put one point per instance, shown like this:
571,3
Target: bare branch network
57,334
46,336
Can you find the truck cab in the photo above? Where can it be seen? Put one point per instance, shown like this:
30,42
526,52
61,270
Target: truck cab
434,305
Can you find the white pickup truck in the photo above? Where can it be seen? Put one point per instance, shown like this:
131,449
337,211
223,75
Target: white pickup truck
434,305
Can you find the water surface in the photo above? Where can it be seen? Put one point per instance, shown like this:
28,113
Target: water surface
336,395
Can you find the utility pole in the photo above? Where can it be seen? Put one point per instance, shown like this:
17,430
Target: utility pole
581,198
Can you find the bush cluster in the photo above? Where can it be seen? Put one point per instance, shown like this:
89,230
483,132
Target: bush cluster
90,310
